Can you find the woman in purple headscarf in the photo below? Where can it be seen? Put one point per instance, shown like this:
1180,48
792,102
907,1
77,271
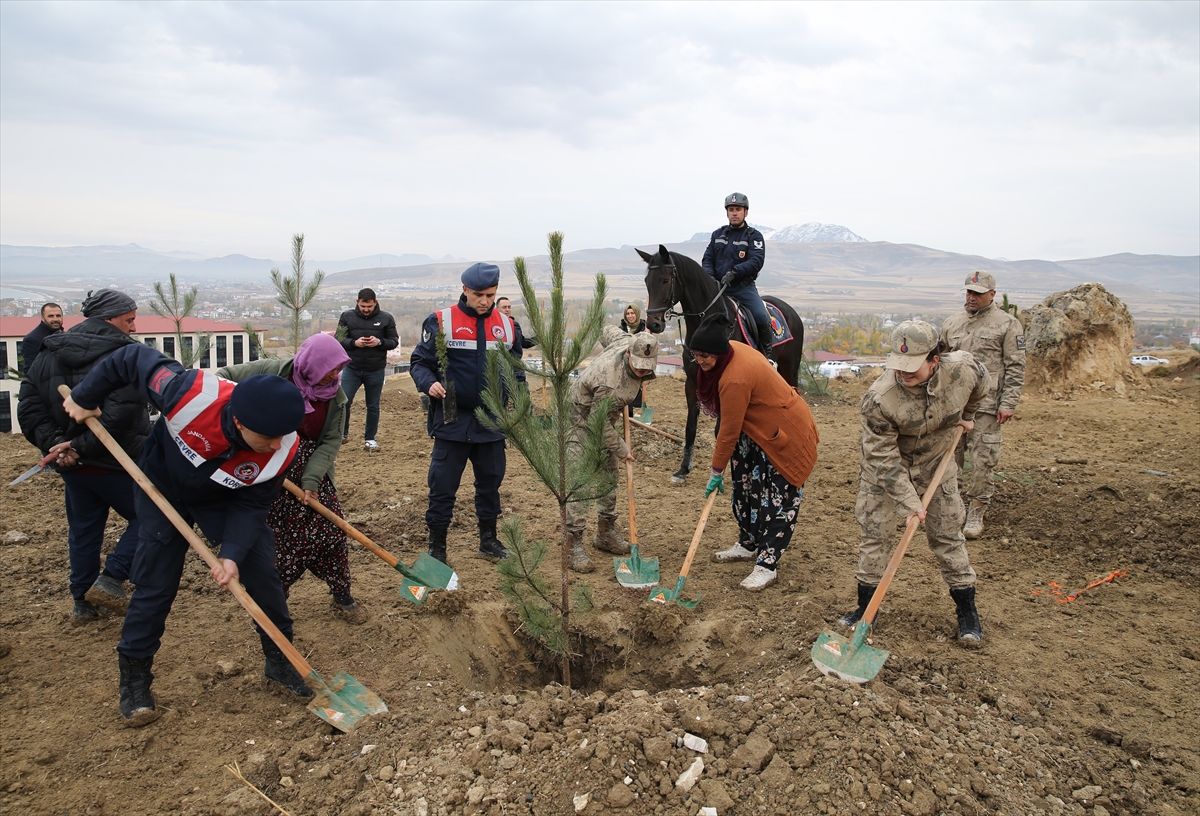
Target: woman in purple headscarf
305,540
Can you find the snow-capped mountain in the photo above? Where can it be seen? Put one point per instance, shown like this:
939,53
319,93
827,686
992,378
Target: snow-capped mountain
812,232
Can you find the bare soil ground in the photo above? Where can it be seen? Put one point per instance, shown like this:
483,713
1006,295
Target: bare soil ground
1086,707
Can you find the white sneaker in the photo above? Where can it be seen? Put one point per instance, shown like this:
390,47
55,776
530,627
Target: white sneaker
371,445
759,578
735,553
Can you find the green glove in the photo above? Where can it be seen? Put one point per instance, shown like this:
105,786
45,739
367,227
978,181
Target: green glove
715,482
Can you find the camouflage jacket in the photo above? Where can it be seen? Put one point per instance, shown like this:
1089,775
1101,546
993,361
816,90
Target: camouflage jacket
608,376
905,431
997,340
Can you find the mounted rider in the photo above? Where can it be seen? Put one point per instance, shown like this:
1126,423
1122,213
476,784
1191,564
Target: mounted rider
734,256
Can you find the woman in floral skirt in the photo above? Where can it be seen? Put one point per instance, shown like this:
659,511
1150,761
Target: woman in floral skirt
305,540
766,434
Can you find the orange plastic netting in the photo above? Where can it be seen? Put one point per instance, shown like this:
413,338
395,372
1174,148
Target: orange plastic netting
1066,597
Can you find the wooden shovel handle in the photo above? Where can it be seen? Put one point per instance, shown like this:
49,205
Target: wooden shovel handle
629,484
239,592
656,430
691,553
910,530
344,525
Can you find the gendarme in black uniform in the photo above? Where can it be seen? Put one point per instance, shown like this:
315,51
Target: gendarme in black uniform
468,336
202,464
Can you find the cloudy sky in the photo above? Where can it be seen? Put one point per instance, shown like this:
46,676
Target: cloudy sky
1051,130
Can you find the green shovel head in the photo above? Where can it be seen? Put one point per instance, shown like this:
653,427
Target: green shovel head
645,414
344,702
662,595
635,573
425,574
849,658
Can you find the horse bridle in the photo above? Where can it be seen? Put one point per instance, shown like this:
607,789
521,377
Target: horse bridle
669,313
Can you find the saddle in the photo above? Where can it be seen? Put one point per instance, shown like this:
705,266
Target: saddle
746,330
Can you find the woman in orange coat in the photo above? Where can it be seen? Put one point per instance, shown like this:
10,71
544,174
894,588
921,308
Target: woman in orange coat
768,437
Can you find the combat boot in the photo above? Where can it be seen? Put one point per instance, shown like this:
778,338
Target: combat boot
84,611
579,561
137,703
970,629
850,619
437,544
766,342
490,546
279,670
608,539
973,529
109,593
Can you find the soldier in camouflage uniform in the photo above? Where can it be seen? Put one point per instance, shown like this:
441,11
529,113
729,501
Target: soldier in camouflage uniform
908,420
618,372
996,339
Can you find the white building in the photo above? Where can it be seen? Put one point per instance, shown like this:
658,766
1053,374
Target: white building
229,344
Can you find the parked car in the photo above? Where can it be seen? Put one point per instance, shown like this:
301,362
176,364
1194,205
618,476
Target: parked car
1148,360
833,370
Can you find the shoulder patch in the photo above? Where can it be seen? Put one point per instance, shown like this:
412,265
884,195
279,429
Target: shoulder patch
1020,342
878,426
160,379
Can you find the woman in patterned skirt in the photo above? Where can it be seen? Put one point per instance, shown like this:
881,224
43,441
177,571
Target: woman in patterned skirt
766,433
305,540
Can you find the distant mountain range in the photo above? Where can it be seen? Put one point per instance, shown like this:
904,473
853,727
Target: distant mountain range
812,232
133,260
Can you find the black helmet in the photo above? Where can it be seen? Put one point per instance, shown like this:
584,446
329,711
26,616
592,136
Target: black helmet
737,200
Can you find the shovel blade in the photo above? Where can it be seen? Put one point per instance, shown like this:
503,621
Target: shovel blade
663,595
645,414
849,658
344,702
425,574
634,572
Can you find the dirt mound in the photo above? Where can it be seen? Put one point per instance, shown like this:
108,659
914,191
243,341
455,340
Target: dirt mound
1079,338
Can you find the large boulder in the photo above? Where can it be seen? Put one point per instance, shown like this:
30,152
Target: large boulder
1083,337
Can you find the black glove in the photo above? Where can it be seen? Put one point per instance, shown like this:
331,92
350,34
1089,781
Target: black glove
728,279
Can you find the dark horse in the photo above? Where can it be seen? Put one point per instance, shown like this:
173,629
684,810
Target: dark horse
672,278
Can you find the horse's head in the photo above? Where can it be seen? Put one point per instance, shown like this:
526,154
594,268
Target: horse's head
660,294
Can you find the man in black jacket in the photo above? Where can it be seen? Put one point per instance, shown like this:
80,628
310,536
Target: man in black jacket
368,333
93,480
31,344
734,256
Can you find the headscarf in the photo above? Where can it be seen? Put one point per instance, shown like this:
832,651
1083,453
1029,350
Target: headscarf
318,355
708,391
637,325
106,304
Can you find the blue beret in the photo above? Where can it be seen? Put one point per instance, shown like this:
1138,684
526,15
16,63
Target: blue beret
481,276
268,405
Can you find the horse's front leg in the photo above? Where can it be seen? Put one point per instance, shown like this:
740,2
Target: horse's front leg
689,436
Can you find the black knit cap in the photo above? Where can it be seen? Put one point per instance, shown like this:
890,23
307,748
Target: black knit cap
268,405
711,336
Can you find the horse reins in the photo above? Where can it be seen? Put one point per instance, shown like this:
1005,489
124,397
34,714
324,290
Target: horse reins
669,313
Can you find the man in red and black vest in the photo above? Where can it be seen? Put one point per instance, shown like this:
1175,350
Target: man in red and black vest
219,455
470,327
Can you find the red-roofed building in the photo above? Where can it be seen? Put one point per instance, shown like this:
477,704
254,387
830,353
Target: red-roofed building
228,344
819,356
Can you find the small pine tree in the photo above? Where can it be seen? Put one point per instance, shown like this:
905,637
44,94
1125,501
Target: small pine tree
570,464
293,292
170,303
1011,308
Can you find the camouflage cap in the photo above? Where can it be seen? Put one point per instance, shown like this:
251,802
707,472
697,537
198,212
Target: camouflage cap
912,341
643,352
981,281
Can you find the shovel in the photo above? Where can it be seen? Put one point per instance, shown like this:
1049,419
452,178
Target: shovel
851,658
632,571
341,703
426,574
663,595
